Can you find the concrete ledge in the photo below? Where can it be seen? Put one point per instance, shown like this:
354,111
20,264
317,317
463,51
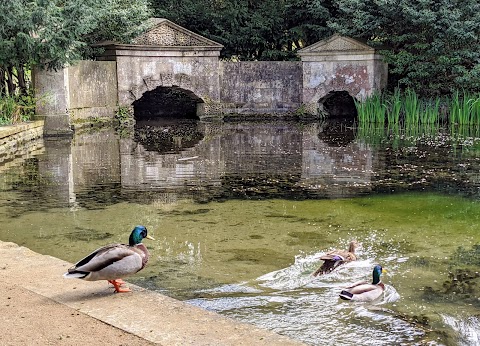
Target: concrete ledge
146,314
30,319
57,125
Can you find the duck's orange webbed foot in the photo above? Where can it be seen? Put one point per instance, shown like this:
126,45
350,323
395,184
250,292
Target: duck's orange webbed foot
118,286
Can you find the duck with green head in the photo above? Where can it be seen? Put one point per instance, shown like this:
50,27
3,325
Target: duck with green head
362,291
113,262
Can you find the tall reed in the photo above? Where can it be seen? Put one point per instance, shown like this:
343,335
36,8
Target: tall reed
395,107
407,109
465,108
430,111
411,107
371,110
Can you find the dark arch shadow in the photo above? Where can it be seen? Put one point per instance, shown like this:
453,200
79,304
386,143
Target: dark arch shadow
167,103
167,136
338,133
338,105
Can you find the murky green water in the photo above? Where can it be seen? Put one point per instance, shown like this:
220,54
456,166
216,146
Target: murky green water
241,212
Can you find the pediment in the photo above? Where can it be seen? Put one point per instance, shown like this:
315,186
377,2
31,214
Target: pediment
165,33
336,44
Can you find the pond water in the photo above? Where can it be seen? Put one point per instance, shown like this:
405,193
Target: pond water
242,212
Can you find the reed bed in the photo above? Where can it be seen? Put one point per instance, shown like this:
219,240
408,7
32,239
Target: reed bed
408,109
372,110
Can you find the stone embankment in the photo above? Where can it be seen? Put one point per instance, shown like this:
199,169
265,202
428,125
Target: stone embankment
18,141
40,307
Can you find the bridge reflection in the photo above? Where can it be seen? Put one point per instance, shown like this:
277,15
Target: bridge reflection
282,159
205,161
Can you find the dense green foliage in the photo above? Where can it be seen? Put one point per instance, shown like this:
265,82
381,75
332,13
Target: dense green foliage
432,46
16,108
253,30
54,33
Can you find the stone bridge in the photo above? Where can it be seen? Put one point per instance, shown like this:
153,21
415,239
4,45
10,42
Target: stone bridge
171,71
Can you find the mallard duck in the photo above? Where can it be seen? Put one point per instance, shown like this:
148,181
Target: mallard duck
113,262
362,291
333,259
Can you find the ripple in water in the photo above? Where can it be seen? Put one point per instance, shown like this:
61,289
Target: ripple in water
468,329
292,302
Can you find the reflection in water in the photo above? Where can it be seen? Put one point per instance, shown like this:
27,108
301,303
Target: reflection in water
246,160
168,137
242,211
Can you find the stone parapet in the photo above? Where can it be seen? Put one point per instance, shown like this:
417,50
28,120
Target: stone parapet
20,141
85,91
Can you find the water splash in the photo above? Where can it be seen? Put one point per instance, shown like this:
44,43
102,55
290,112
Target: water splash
467,329
292,302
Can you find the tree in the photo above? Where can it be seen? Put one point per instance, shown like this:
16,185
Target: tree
307,20
253,30
55,33
432,46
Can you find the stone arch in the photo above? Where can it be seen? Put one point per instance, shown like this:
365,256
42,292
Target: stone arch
338,104
168,102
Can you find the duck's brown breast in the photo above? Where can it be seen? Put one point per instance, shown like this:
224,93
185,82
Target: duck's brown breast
144,253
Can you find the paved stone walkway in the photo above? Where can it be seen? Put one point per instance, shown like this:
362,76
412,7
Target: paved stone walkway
40,307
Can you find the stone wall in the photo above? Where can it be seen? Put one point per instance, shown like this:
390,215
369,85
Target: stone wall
92,89
18,142
69,96
190,68
265,87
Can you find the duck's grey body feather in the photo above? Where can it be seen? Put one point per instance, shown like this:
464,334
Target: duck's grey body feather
362,291
110,262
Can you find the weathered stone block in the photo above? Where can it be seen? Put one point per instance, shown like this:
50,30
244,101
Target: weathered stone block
261,86
92,84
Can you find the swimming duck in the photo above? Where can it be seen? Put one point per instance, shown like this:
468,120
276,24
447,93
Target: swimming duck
113,262
335,258
362,291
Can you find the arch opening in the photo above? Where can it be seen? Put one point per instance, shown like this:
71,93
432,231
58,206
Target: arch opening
338,105
167,103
